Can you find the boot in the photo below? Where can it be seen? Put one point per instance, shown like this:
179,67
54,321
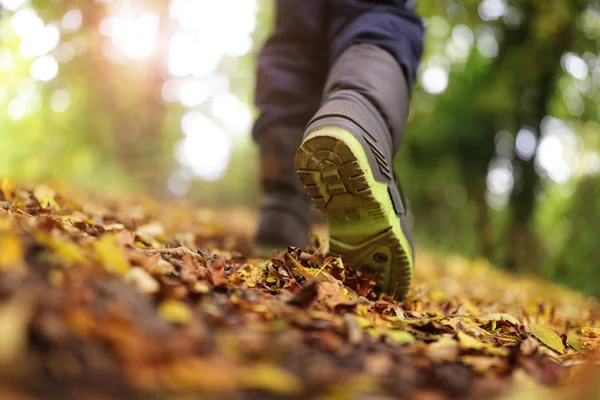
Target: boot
345,163
286,210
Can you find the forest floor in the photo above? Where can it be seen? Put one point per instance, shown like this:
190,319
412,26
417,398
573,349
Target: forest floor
105,298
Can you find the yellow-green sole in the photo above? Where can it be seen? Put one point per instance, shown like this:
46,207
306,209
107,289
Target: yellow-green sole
363,226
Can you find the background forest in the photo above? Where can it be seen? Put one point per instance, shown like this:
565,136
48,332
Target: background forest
501,157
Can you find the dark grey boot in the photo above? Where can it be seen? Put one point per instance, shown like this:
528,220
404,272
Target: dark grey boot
286,211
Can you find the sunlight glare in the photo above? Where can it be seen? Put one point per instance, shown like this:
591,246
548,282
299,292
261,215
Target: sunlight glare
137,37
44,69
72,20
500,178
525,144
434,80
206,149
26,22
39,42
60,101
26,102
490,10
7,60
179,182
11,5
193,93
574,66
233,113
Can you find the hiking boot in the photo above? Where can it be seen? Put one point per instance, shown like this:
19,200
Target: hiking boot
345,163
285,216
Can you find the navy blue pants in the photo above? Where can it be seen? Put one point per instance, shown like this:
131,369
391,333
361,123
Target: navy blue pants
308,38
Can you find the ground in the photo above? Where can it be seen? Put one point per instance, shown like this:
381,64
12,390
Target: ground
106,298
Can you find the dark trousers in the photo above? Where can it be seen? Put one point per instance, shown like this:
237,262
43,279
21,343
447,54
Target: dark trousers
309,36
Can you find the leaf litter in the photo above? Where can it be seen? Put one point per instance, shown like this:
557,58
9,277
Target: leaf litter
130,298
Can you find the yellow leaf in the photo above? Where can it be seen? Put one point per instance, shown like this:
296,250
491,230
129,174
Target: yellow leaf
175,311
65,249
401,337
14,318
574,342
547,337
45,196
468,342
111,255
7,187
270,378
12,251
500,317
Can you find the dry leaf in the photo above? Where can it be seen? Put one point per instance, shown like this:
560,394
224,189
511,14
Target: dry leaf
175,311
500,317
14,317
111,255
12,252
547,337
271,378
7,188
574,342
142,280
45,196
468,342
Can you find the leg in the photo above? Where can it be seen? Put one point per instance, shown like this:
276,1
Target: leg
291,75
346,158
391,35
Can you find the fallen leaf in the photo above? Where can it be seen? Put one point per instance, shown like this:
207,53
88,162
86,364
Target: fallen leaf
68,251
547,337
306,295
271,378
574,342
111,255
590,338
500,317
468,342
142,280
14,317
175,311
332,294
7,188
483,364
401,337
444,350
46,196
12,251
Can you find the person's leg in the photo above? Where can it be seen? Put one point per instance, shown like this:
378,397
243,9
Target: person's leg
292,68
346,159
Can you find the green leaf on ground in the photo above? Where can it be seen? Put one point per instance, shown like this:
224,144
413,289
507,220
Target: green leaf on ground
574,342
547,337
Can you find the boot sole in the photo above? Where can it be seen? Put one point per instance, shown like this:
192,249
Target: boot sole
363,226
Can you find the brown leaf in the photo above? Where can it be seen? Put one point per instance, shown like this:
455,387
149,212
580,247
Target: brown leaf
14,318
307,294
444,350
